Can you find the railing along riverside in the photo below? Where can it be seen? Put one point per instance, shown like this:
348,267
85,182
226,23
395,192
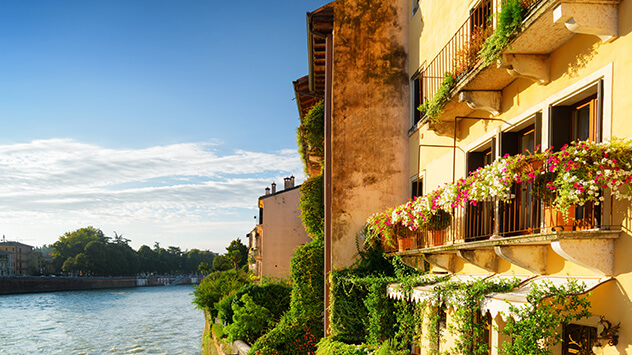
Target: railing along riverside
460,54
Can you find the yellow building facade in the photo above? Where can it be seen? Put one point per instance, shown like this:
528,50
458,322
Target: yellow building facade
21,257
564,76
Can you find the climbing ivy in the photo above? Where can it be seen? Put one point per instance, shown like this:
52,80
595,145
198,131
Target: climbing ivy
312,206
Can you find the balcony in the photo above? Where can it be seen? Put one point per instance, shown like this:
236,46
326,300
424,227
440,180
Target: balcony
519,231
546,25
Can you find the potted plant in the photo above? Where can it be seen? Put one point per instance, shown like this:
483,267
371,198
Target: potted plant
404,238
436,226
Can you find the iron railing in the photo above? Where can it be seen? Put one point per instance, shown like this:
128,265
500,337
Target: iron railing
460,54
522,214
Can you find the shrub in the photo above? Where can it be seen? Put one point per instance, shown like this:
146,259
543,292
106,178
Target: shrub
215,286
250,320
301,327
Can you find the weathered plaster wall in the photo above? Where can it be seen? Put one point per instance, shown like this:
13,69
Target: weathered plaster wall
369,116
282,232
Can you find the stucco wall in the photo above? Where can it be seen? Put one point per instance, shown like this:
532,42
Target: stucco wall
369,117
282,232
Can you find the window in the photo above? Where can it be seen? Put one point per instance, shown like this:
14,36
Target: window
416,97
479,221
521,215
577,118
578,339
417,188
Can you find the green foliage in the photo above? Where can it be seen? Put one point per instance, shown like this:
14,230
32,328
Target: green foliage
237,252
313,126
301,327
250,320
312,206
218,330
274,296
222,263
224,308
433,108
509,21
537,326
310,133
328,346
216,286
204,268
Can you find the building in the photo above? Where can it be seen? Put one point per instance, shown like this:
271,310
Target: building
357,53
278,233
6,263
22,256
563,77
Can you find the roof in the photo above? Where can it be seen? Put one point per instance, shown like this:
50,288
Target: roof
15,244
305,98
279,192
320,23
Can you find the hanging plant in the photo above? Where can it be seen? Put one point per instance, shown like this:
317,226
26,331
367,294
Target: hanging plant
433,108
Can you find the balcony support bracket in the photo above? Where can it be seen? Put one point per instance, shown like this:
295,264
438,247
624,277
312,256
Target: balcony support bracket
483,258
415,261
482,100
594,254
446,261
530,66
597,18
530,257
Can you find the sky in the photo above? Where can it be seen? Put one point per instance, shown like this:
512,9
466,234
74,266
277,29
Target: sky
159,120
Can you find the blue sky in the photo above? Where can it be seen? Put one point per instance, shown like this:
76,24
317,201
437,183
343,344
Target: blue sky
160,120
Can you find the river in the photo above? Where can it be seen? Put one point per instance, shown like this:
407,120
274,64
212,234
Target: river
142,320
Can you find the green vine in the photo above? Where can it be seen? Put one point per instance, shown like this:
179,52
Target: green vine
537,326
312,206
310,133
509,21
433,108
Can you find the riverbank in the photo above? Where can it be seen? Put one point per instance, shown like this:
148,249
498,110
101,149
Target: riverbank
37,284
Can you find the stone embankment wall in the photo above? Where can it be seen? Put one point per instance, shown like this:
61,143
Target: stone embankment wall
33,284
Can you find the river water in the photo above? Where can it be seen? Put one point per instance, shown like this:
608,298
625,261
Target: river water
143,320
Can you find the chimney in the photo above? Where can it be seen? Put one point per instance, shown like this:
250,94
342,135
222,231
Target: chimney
292,181
274,187
267,191
286,183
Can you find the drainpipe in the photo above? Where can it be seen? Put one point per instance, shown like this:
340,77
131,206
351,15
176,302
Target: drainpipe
328,165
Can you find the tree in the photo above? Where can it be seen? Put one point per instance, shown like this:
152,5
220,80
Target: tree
204,268
222,263
71,244
237,247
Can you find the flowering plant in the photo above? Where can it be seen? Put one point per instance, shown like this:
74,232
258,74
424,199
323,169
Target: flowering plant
575,175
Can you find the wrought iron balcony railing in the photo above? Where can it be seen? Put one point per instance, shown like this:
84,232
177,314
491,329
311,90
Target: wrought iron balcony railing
523,214
459,56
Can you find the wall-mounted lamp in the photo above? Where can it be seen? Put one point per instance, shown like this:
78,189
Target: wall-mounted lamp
608,336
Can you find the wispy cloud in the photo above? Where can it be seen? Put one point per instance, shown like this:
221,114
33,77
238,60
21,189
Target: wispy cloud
176,190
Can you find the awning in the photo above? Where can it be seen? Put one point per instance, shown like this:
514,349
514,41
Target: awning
423,293
499,303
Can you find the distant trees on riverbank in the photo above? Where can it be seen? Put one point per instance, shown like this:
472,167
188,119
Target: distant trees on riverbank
87,251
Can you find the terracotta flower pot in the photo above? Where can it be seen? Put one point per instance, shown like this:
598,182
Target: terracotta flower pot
556,221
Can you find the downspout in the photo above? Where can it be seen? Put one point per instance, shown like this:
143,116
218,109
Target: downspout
328,176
